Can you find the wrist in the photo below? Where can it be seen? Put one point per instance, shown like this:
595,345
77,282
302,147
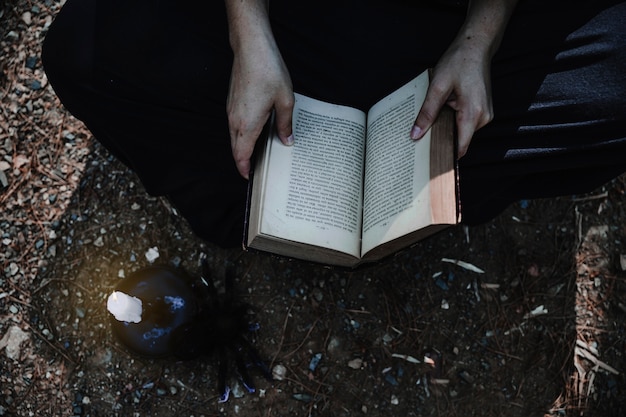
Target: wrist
485,24
248,25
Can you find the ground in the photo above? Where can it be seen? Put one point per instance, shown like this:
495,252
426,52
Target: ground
522,316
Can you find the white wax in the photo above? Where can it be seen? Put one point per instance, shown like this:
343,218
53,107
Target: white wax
124,307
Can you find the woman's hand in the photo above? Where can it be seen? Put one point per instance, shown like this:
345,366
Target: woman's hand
259,83
461,78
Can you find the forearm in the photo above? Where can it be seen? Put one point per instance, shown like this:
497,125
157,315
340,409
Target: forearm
248,24
259,82
485,23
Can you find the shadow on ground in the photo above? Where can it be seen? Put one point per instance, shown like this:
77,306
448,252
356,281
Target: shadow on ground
415,335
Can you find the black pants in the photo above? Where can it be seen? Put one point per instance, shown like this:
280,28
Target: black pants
150,78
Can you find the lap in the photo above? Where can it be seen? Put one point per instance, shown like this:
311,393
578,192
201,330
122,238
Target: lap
153,84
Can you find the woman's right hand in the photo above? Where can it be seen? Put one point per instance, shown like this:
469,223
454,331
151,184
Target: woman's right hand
259,83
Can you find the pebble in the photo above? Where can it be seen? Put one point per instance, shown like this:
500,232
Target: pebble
391,379
356,363
315,361
303,397
4,182
279,372
152,254
237,391
333,345
27,18
31,62
12,341
35,85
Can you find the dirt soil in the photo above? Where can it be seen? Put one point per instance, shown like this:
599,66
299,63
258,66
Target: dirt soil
522,316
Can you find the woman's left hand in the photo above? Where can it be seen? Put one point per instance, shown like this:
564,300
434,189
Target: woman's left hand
461,80
462,77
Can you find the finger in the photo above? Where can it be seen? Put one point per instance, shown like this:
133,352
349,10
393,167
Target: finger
436,97
465,131
242,145
284,112
242,155
468,123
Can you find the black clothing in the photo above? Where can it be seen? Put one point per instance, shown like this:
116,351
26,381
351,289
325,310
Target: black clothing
150,80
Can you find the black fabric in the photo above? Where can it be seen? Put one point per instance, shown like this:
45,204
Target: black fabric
149,79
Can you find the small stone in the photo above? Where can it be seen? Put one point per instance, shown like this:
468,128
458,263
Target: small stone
176,261
394,400
356,363
152,254
333,345
12,340
99,242
4,181
35,85
237,391
465,376
27,18
279,372
315,361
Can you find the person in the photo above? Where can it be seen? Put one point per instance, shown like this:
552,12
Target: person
180,90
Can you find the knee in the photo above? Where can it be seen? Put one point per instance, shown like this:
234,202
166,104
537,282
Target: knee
214,210
67,50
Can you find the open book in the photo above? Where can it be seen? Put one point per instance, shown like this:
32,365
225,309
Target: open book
354,187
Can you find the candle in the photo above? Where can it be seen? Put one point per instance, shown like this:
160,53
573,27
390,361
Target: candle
124,307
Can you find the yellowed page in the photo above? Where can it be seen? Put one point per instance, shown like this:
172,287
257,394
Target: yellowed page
397,170
313,192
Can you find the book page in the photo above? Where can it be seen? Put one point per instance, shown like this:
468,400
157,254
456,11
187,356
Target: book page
314,188
397,170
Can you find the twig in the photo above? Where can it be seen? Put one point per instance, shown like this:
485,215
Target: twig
592,197
282,336
56,349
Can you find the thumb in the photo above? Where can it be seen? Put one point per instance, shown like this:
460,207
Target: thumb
427,115
283,123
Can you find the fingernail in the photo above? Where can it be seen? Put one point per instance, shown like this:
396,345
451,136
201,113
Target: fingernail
416,131
289,140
